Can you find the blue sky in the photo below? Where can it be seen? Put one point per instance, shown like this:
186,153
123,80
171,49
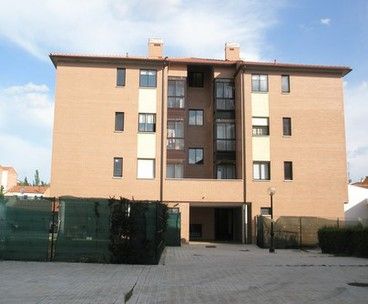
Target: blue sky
319,32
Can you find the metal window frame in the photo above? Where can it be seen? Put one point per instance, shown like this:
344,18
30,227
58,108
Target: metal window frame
145,123
140,78
121,169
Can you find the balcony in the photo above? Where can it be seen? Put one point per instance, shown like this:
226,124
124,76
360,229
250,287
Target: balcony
203,190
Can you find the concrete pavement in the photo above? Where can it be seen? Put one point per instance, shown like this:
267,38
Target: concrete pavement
193,274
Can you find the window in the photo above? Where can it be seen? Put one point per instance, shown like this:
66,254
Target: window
196,117
175,135
146,122
176,94
225,136
119,121
285,83
288,170
195,156
259,83
174,170
196,79
226,171
286,126
261,170
265,211
118,167
260,126
225,94
120,77
148,78
146,168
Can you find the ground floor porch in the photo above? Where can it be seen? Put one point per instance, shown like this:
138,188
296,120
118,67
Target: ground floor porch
214,222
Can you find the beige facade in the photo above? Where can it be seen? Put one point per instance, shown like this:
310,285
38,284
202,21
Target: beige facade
204,142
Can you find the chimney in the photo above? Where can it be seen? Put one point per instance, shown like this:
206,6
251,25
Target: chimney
155,48
232,51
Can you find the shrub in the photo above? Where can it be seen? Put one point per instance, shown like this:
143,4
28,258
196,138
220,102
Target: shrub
344,240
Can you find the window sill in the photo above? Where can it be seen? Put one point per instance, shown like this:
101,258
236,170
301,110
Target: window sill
261,180
260,92
117,177
286,136
285,93
288,180
175,108
268,135
195,125
145,178
119,131
120,86
146,132
154,87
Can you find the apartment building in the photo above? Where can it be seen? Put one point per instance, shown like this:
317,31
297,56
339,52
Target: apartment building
206,136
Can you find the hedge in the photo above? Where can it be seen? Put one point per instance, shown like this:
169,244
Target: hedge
352,241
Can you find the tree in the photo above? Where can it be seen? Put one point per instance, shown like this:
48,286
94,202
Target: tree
36,181
24,182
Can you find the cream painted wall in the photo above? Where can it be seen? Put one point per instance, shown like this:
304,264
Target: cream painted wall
261,148
146,145
147,100
260,104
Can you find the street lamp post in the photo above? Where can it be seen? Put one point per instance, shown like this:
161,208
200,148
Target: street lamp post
271,192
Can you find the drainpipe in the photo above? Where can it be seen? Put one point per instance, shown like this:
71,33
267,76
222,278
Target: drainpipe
244,171
164,65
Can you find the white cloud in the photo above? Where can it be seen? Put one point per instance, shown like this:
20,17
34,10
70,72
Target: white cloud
26,117
189,28
25,157
325,21
24,106
356,112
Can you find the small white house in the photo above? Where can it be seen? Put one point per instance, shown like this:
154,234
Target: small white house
357,207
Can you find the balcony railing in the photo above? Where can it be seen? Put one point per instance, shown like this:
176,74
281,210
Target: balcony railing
175,143
225,144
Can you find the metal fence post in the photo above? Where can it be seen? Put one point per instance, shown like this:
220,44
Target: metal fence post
300,233
52,229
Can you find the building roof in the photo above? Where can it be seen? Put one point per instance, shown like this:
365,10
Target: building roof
363,183
57,58
28,189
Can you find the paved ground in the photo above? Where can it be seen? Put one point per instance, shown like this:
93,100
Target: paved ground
193,274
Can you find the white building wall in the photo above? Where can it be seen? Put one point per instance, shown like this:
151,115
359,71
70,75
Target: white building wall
357,207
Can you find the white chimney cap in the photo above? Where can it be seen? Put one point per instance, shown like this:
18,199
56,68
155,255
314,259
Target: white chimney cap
232,44
155,40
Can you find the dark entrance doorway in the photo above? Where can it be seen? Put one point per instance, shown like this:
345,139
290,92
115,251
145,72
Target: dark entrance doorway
224,224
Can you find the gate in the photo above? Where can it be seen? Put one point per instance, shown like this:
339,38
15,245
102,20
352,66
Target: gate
173,229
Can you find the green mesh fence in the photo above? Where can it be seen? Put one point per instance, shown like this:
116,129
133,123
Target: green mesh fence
295,231
84,230
24,228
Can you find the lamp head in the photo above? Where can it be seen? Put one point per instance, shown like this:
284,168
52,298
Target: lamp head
271,190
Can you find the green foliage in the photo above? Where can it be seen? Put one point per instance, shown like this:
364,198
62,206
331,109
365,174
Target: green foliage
36,181
136,231
352,241
24,182
2,196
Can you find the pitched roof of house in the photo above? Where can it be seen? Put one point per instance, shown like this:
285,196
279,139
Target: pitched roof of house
56,58
28,189
363,183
